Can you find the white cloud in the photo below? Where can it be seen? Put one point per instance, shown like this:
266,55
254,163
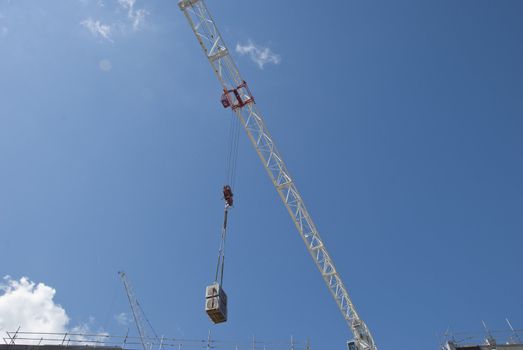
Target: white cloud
30,306
137,16
98,29
258,54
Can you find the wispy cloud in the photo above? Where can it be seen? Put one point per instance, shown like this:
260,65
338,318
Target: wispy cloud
123,319
115,25
98,29
258,54
100,3
84,332
136,16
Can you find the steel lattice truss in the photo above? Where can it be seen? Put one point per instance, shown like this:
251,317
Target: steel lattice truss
229,76
139,317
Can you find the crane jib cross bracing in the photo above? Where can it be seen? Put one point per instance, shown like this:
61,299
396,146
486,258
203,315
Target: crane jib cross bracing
237,95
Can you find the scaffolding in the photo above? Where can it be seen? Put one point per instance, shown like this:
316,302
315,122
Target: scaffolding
487,339
107,341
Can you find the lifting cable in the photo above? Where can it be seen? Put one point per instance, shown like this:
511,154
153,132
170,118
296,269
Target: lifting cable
230,178
232,151
221,252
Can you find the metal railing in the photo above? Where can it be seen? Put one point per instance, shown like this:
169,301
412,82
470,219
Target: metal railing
105,340
513,336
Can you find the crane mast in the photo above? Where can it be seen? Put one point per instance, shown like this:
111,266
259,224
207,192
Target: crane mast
139,318
238,97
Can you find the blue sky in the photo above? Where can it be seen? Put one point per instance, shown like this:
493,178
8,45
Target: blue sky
400,121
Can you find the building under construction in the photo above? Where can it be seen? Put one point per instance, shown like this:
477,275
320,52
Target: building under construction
21,340
490,340
452,346
54,347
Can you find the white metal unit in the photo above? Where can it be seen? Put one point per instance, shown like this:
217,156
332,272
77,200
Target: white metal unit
216,303
237,95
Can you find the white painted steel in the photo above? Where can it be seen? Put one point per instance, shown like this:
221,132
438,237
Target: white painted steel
229,76
139,319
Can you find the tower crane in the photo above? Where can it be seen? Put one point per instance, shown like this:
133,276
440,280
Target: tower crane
237,96
139,316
